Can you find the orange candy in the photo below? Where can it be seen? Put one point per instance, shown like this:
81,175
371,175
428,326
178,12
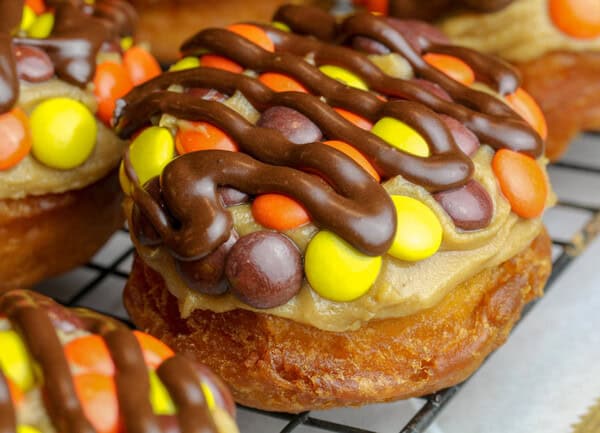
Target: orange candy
451,66
357,120
37,6
111,82
15,141
140,64
98,397
16,394
522,181
281,83
253,34
528,109
577,18
89,354
358,157
279,212
154,350
203,136
219,62
377,6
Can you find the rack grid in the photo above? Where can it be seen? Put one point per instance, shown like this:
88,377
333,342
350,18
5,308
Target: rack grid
99,284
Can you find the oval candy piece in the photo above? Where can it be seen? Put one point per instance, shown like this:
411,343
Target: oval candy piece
294,125
15,360
336,270
16,139
150,152
33,64
344,76
401,136
470,206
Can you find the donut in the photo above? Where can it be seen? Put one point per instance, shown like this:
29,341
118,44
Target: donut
76,370
554,43
64,64
183,18
353,215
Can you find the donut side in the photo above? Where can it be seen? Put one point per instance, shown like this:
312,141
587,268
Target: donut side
276,364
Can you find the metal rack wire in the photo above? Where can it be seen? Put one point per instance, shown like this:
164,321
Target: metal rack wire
104,277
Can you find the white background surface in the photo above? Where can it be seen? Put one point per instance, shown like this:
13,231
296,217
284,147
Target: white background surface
542,380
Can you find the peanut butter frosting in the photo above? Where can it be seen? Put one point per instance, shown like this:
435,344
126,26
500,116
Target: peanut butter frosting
522,31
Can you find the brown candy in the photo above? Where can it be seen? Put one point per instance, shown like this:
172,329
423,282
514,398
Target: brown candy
466,140
470,206
33,64
264,269
207,274
294,125
232,196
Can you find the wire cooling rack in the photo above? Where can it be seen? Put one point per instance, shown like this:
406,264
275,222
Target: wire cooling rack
573,223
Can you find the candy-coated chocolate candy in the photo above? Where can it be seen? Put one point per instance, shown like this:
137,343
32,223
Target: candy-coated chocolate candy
357,120
140,64
264,269
336,270
185,63
38,6
253,34
98,396
215,392
15,360
294,125
207,275
451,66
126,43
401,136
432,87
418,233
203,136
42,26
470,206
27,18
528,109
577,18
232,196
279,212
63,133
111,82
219,62
377,6
33,64
16,394
281,26
89,354
344,76
16,140
464,138
522,181
161,401
27,429
155,351
358,157
150,152
368,45
281,83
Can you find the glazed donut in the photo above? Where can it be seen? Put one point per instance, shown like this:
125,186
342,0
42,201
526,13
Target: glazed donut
554,43
76,370
64,64
350,218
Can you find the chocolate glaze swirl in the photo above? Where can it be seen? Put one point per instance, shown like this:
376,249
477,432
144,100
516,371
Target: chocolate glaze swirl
432,9
36,318
79,32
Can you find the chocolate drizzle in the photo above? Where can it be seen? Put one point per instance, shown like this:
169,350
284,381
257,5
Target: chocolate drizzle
78,34
30,315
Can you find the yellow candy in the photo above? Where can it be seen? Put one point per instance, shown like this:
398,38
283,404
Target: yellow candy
126,43
63,133
185,63
151,151
336,270
401,136
208,395
344,76
27,429
15,361
281,26
419,232
28,18
161,401
42,26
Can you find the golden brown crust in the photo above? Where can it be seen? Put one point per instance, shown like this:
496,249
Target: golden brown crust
184,18
45,235
566,86
277,364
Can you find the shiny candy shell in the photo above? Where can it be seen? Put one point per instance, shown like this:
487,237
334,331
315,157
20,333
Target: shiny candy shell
419,232
15,360
401,136
27,429
15,143
344,76
185,63
150,152
161,401
63,133
336,270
